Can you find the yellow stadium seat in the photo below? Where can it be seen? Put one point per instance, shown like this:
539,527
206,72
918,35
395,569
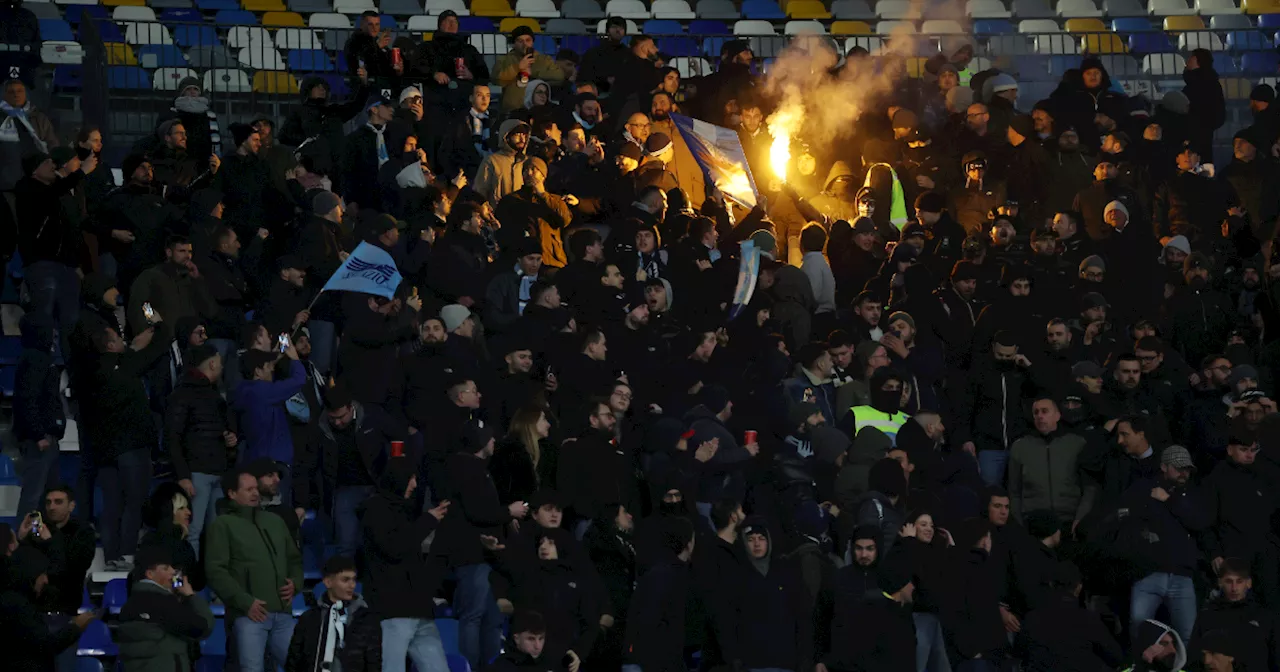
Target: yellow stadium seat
1180,23
807,9
1261,6
1086,26
284,19
511,23
124,3
491,8
1236,88
850,28
274,82
119,53
263,5
915,67
1103,43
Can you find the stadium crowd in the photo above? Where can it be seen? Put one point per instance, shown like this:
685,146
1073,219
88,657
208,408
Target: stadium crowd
999,400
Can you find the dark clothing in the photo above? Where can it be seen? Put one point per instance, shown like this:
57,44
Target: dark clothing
70,550
118,414
354,455
195,420
401,579
361,649
971,615
475,511
27,641
368,356
458,266
37,405
597,470
45,231
873,636
655,622
362,51
1240,501
1063,636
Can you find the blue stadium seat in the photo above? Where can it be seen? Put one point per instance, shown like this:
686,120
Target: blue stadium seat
1269,21
170,16
342,61
8,474
678,46
11,346
1150,43
216,643
211,663
1060,64
578,43
64,77
109,31
662,27
57,30
545,44
708,27
299,604
218,608
76,13
475,24
448,628
994,27
235,17
218,5
1260,62
8,374
96,641
86,602
1224,64
128,77
88,664
187,36
309,60
443,611
711,46
766,10
114,595
457,663
1247,40
161,56
1130,24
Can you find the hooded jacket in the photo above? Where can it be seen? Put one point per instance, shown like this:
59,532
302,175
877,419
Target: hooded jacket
771,612
656,620
263,419
1149,632
476,510
195,420
501,172
158,628
971,612
37,406
563,593
371,430
361,649
27,641
249,554
398,538
1063,636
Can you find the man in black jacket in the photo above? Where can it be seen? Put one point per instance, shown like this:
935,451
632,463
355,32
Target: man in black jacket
375,329
655,622
454,65
69,546
458,267
525,650
369,49
1236,611
1062,634
340,632
403,578
875,635
29,644
200,436
478,513
231,276
1241,498
134,221
38,418
771,612
971,613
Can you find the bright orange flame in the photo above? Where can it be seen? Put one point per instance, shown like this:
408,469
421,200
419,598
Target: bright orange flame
782,124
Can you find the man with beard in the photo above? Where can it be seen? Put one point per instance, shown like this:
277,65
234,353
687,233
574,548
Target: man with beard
249,200
1204,420
173,289
1157,648
1070,170
192,111
717,569
989,412
1074,243
1201,314
502,172
593,470
602,63
132,224
1241,500
456,269
515,70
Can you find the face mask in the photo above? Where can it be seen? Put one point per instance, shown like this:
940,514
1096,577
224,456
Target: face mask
1196,283
1074,416
671,508
886,402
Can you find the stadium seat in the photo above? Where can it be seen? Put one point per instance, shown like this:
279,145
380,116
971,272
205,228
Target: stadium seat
1181,23
581,9
490,44
117,3
1121,65
61,52
1059,44
602,25
896,9
987,9
627,9
852,10
538,9
1247,40
1169,8
1103,43
888,28
283,19
329,20
1230,22
1085,25
716,9
546,44
210,56
187,36
456,663
438,6
1261,6
1117,8
8,473
235,17
993,27
766,10
941,27
76,2
89,664
297,38
353,6
807,9
155,56
1215,7
1264,21
691,66
170,4
1201,39
512,22
566,27
1163,65
66,77
872,43
579,44
243,36
421,23
114,595
216,643
498,8
77,13
274,82
133,13
660,27
263,5
1132,24
1032,26
677,10
753,28
109,32
1032,9
1150,43
1009,45
708,27
119,53
808,27
311,6
167,79
56,30
310,60
475,24
845,28
261,57
147,33
217,5
1260,62
448,628
44,10
180,16
1074,9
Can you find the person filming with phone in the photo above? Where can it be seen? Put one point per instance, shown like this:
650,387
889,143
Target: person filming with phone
164,619
29,644
69,547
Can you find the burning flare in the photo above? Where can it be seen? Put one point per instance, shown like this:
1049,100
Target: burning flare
782,124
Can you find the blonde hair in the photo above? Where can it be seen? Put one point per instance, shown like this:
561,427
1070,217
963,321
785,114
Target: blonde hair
524,426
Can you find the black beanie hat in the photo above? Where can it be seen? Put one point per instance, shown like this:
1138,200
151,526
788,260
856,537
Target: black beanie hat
887,478
240,133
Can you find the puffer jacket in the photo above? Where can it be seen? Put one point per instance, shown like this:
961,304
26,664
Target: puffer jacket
249,554
196,419
158,628
361,649
502,172
1044,474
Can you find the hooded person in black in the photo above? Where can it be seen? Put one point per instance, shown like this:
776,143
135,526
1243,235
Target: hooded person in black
1063,636
168,514
656,620
1157,648
971,613
609,547
29,644
772,614
877,634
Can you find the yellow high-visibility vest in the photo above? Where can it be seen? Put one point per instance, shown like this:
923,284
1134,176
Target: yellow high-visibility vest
868,416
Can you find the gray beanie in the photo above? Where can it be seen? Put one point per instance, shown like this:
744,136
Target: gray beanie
1093,261
1176,102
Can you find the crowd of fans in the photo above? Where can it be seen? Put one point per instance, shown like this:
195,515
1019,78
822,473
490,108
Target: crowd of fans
999,398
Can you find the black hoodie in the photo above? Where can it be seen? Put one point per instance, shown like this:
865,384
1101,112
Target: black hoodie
771,613
402,580
558,589
28,644
37,406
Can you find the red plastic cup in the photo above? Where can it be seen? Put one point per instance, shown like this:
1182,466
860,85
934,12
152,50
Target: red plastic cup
458,65
395,56
749,437
397,449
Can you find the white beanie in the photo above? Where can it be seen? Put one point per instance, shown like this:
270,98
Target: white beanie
409,92
453,315
1116,205
1179,242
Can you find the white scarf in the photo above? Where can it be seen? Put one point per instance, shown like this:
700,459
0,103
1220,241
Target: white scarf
333,635
9,132
585,125
381,142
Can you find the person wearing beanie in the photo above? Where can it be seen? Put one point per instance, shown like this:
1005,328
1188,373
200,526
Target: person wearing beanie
946,235
164,618
188,137
881,506
1254,178
972,614
456,68
535,212
602,63
518,69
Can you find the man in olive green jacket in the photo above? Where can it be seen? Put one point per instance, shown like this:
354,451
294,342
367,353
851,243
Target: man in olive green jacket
1044,471
523,64
163,620
253,565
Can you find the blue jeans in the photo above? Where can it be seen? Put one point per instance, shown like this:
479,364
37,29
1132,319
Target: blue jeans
255,640
204,505
991,466
322,345
125,485
931,648
54,289
39,472
346,524
479,620
416,638
1177,593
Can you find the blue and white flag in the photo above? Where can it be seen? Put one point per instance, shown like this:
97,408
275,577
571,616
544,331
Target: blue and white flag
718,150
369,269
748,272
